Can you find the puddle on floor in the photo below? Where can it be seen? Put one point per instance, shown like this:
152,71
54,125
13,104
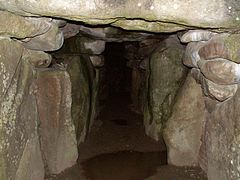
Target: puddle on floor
124,165
120,122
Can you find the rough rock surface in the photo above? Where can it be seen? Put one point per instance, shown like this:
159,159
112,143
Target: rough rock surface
216,59
31,159
83,45
19,141
78,69
20,111
108,34
166,74
220,71
184,128
22,27
158,13
213,90
56,129
37,59
97,61
49,41
222,45
222,140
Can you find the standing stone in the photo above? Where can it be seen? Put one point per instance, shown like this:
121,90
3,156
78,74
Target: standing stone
57,132
78,69
31,159
223,139
184,128
19,142
166,74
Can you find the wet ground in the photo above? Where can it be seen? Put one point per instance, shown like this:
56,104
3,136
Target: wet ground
118,149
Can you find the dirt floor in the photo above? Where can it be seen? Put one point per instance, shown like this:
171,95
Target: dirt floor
118,149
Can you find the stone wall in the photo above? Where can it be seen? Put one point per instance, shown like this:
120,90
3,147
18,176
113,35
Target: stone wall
160,16
56,128
165,76
22,108
81,57
19,146
222,140
204,130
32,89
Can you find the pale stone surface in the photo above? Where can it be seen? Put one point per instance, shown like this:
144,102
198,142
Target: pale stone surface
57,131
215,60
37,59
50,41
70,30
84,79
213,90
113,34
18,115
31,160
197,35
222,140
19,139
166,74
215,48
97,61
96,46
83,45
220,71
196,13
223,45
191,56
78,69
10,57
219,76
219,92
184,128
19,27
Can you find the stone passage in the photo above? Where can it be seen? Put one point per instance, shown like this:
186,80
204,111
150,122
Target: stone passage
181,69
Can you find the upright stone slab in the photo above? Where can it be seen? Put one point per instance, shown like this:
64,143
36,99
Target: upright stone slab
81,94
56,129
166,75
223,139
19,142
184,128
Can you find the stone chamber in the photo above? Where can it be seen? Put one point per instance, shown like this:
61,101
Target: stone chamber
90,87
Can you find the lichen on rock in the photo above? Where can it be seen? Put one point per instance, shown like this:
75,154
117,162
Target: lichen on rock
166,74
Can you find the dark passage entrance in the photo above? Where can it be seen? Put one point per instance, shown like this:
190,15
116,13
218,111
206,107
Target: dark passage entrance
117,147
118,75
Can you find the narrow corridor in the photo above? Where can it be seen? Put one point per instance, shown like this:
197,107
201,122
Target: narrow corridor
118,149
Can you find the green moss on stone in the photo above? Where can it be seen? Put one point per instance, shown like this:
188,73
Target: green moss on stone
81,93
232,44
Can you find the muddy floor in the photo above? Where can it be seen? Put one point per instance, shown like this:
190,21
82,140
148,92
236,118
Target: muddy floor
118,149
